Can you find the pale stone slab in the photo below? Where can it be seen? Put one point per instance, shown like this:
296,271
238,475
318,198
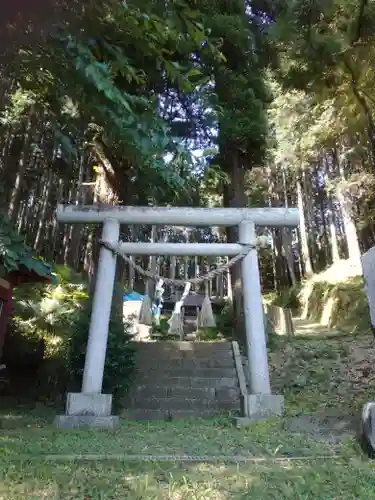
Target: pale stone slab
97,405
71,421
367,428
368,265
86,409
260,406
131,311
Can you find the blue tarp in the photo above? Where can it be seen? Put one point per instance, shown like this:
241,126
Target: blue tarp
133,296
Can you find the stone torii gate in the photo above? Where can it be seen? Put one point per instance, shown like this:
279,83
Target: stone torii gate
91,407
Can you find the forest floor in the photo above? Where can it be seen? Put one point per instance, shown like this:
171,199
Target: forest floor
326,377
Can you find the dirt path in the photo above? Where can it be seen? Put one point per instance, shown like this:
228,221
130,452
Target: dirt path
327,375
307,327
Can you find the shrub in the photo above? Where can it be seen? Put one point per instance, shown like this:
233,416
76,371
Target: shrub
208,333
57,319
288,298
225,320
161,330
341,305
23,348
120,358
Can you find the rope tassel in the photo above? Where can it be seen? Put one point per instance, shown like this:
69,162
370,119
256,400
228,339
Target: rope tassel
206,317
145,314
176,322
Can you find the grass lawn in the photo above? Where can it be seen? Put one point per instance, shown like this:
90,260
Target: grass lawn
327,379
138,481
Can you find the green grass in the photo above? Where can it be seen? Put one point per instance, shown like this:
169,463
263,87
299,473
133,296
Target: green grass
195,437
79,481
320,375
325,373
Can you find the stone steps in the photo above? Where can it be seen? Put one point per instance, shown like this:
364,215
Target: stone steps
204,393
185,364
190,381
165,371
183,379
147,414
175,404
185,347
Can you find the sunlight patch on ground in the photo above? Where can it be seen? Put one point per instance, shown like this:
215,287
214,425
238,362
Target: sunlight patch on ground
340,271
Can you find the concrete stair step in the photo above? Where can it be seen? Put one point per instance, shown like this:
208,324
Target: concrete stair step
137,414
164,371
185,379
190,381
145,391
185,363
198,348
185,353
182,404
204,361
186,344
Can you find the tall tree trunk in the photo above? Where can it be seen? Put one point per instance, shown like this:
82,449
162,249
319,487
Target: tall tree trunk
308,270
234,197
196,271
39,239
15,198
172,272
229,294
77,229
354,251
12,152
131,273
335,252
153,263
325,242
287,240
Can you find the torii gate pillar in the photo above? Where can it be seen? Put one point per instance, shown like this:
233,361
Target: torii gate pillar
91,407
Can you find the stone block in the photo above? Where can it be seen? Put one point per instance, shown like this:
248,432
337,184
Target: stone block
256,407
71,421
368,266
87,410
367,429
95,405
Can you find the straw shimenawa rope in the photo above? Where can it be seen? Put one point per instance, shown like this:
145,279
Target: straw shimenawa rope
179,283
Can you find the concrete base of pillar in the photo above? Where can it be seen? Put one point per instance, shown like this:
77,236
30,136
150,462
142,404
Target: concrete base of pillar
93,410
260,406
71,421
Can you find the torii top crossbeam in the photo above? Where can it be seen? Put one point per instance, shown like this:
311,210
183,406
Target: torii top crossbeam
187,216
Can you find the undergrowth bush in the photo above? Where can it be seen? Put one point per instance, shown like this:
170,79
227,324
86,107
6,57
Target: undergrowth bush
225,320
208,333
57,317
160,330
341,305
120,356
288,298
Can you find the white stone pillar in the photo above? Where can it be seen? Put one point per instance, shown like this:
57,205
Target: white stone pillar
101,310
253,312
